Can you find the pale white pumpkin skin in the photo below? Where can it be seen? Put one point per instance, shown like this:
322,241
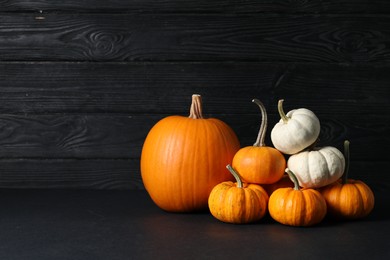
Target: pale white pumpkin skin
317,168
299,132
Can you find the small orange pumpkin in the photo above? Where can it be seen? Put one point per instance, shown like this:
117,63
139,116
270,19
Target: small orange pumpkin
295,206
183,158
259,163
348,198
238,203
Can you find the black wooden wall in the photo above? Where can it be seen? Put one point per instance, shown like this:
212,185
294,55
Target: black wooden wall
82,82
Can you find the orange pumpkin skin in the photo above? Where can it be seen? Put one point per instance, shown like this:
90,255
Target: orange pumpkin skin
297,206
304,207
350,200
183,158
237,202
260,165
284,182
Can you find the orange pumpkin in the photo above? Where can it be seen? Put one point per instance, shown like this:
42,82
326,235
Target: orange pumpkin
295,206
348,198
183,158
238,203
259,163
284,182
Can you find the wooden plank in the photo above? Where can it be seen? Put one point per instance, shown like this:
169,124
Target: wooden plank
122,136
72,136
232,6
125,174
166,88
52,87
195,37
74,174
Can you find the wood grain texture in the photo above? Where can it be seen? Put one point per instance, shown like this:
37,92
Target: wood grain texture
201,6
166,88
82,82
121,137
124,174
195,37
67,136
70,174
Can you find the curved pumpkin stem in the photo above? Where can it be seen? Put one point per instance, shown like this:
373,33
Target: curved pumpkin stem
293,178
263,127
281,112
196,107
235,174
346,155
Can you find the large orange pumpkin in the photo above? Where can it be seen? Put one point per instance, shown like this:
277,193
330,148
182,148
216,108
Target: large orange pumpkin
183,158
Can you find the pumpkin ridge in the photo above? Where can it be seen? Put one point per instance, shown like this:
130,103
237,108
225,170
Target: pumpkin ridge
213,137
307,160
188,153
352,199
207,140
369,198
219,125
306,207
301,211
296,127
257,194
362,199
336,156
321,160
332,173
198,124
335,195
232,200
292,207
324,158
249,200
160,141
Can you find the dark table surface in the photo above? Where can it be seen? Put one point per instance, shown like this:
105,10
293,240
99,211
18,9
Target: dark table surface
119,224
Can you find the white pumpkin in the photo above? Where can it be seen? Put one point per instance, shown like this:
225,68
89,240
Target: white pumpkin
296,130
317,167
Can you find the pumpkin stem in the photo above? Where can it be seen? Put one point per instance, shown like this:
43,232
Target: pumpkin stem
281,112
263,127
235,174
346,155
196,107
293,178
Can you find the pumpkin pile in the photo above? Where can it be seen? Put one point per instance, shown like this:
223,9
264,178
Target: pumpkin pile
194,163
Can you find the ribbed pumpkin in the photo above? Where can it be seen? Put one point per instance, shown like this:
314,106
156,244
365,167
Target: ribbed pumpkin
295,206
238,203
259,163
183,158
296,130
317,167
348,198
